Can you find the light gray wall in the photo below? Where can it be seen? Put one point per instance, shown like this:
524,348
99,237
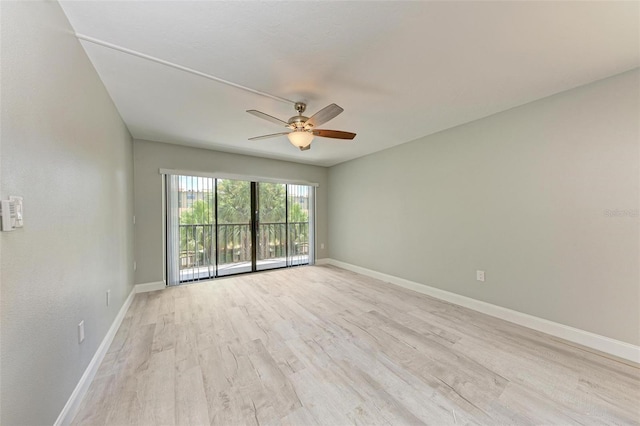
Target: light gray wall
67,152
149,157
524,195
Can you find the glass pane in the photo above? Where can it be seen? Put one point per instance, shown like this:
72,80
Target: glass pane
298,210
196,234
234,226
272,226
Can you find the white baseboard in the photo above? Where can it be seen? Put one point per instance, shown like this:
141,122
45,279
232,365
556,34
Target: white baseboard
595,341
324,261
73,403
143,288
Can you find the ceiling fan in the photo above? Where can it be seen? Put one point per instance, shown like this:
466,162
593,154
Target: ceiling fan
304,128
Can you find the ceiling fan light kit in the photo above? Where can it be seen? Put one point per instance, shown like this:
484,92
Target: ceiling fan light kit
303,127
300,138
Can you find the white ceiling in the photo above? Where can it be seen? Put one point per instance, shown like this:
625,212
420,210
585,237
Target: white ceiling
401,70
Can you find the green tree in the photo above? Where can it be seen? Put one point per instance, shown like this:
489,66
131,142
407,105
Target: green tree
297,214
298,229
234,211
271,202
234,201
197,240
272,216
200,212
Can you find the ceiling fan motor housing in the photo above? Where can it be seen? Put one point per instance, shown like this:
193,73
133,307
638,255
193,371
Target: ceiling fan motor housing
297,121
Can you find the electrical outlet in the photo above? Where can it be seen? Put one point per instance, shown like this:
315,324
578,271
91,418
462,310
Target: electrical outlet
108,297
135,266
322,246
81,332
480,276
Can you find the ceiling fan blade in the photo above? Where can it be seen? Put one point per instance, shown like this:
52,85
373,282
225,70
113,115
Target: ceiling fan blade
324,115
335,134
267,117
268,136
305,148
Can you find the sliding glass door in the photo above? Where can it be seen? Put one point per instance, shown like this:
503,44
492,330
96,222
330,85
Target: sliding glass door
272,226
219,227
195,230
234,225
299,207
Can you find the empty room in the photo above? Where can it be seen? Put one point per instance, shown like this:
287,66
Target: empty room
319,213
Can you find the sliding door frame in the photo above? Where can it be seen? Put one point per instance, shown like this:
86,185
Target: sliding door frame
215,224
254,226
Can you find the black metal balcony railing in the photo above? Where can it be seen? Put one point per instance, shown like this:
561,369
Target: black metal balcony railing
198,241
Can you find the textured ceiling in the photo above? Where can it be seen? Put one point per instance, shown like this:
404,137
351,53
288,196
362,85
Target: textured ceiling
401,70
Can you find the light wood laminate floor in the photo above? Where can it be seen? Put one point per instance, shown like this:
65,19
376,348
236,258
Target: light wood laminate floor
320,345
